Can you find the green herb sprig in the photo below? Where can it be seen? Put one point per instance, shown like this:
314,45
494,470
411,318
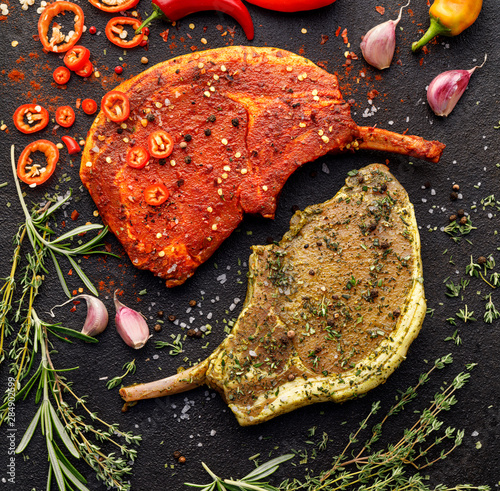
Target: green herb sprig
129,367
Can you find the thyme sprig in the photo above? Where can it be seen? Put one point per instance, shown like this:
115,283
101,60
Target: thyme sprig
129,367
395,467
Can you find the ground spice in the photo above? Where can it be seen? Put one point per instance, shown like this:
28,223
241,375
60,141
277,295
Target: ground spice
164,35
16,75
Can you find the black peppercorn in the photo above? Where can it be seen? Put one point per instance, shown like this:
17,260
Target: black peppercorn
119,131
453,196
192,303
172,317
460,213
361,179
235,122
191,333
150,117
481,260
208,132
188,138
463,221
312,272
187,159
157,328
177,454
198,334
453,218
212,118
383,188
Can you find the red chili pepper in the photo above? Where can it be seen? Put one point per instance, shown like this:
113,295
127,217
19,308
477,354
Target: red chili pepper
61,75
65,116
119,7
89,106
160,144
76,58
33,173
137,157
71,145
291,5
37,118
114,30
57,41
177,9
116,106
156,194
87,70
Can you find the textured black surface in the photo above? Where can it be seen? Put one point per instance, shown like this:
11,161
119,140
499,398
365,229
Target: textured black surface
211,433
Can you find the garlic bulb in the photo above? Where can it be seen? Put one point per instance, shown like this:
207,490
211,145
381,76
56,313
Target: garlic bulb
131,325
97,315
447,88
379,43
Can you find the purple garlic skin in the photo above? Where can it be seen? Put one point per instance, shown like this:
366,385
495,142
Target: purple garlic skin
446,90
379,43
97,316
131,325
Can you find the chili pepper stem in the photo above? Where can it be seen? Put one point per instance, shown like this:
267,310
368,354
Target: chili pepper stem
435,29
157,13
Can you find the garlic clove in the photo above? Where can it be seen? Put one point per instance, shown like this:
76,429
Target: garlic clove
97,315
447,88
379,43
131,325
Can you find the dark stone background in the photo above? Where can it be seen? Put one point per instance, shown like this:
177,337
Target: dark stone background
471,160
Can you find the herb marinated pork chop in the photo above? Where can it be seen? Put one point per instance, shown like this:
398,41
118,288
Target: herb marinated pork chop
330,311
242,121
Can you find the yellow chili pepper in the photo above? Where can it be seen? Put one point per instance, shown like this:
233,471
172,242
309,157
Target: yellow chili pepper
449,18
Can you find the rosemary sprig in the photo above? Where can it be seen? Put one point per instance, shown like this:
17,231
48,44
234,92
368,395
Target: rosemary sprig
129,367
252,481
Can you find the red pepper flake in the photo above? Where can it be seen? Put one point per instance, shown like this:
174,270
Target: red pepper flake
406,131
421,62
372,94
20,60
36,37
189,36
219,27
78,103
380,10
70,272
75,292
193,48
324,39
425,50
301,51
75,215
410,11
76,302
72,309
337,32
164,35
16,75
344,36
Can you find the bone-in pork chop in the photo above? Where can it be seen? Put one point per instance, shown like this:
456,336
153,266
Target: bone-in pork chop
242,120
330,311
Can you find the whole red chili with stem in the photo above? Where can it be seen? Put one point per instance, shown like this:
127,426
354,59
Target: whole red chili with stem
291,5
177,9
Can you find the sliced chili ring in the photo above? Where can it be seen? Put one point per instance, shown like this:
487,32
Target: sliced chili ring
115,30
87,70
137,157
35,174
71,144
61,75
160,144
120,7
156,194
89,106
116,106
76,58
65,116
46,18
36,115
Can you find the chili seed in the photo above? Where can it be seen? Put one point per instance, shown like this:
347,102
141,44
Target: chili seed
157,328
144,60
118,70
208,132
92,30
172,317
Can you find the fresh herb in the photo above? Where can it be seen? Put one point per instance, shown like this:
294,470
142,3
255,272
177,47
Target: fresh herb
31,365
129,368
176,345
252,481
455,338
457,230
491,313
465,315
